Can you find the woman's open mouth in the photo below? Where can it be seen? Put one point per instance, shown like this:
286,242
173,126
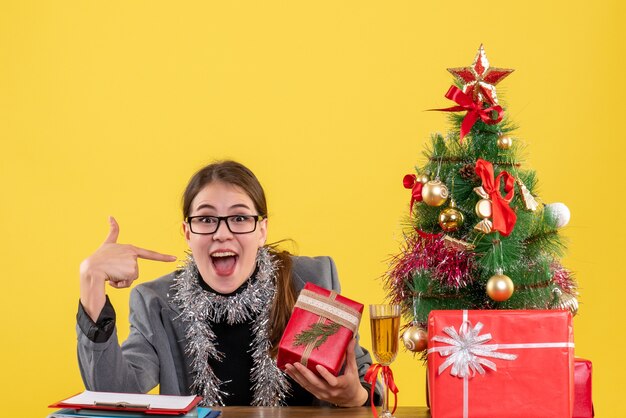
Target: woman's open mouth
224,262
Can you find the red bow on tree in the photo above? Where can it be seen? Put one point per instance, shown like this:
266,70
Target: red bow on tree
410,182
503,215
370,377
490,115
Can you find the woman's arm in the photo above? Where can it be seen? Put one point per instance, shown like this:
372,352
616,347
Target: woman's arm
134,367
104,365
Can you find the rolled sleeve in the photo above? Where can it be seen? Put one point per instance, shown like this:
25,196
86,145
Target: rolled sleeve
101,330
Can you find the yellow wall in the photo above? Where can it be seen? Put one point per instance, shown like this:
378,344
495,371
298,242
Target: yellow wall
108,108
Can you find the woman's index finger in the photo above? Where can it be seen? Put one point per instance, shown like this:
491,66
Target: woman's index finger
153,255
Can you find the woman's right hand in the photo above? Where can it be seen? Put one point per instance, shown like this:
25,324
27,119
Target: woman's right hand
112,262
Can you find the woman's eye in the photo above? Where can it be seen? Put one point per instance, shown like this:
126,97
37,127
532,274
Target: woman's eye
240,218
207,220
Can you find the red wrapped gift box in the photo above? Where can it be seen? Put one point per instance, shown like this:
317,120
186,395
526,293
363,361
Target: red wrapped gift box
316,305
497,363
583,405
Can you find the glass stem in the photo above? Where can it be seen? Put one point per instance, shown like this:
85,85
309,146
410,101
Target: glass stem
385,410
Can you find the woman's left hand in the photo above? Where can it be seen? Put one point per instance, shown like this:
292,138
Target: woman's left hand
344,390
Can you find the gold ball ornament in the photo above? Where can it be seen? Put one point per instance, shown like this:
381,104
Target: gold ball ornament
434,193
500,287
422,178
450,219
415,338
504,142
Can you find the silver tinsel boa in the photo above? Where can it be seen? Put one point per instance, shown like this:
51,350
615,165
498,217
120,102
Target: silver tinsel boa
200,308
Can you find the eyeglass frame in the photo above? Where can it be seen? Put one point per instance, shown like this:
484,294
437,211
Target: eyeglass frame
257,218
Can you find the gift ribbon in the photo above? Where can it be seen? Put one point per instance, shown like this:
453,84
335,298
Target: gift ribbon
329,308
474,109
326,307
410,182
503,215
466,347
467,351
387,375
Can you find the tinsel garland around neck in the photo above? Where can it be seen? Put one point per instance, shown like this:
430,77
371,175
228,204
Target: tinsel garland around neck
199,308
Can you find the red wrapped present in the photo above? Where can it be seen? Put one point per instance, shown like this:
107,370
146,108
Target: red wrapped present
321,326
497,363
583,405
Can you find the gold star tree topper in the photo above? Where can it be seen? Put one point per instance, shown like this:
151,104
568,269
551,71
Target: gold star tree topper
479,81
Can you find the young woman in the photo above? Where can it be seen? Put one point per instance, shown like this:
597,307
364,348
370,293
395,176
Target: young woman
211,328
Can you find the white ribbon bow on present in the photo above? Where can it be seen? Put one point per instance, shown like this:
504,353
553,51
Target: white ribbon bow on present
468,351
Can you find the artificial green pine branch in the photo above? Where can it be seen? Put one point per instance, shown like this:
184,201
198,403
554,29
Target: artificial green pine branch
317,333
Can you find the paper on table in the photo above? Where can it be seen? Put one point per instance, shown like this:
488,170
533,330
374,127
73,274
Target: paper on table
200,412
89,398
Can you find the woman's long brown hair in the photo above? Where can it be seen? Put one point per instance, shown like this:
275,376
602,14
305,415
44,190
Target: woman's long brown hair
284,300
236,174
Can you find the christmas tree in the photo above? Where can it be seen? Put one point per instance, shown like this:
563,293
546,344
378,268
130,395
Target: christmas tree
478,236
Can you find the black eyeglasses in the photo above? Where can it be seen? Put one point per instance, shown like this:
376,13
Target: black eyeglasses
237,224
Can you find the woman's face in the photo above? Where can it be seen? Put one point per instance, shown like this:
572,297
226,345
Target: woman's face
225,260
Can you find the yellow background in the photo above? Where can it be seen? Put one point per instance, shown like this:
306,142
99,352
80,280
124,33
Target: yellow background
107,108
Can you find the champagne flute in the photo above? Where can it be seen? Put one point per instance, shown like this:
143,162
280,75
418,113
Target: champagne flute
385,323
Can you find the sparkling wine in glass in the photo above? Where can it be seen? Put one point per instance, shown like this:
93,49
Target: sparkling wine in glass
385,323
